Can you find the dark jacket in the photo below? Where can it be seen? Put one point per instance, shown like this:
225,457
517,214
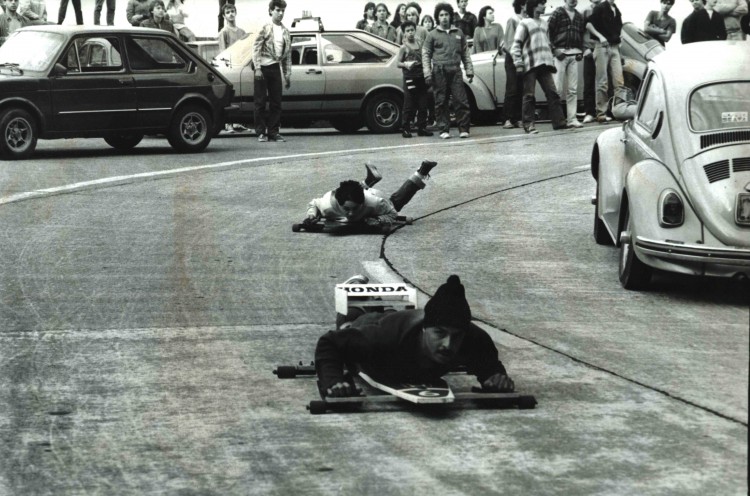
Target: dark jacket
699,27
564,32
608,23
467,23
387,346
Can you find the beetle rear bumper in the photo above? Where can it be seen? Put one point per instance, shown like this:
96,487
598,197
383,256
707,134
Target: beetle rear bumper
694,258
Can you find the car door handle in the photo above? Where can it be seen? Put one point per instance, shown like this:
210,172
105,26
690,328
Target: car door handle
125,82
314,71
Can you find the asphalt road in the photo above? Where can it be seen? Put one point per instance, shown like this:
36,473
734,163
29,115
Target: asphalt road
146,298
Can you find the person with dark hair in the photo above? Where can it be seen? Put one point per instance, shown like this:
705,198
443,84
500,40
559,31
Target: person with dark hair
465,20
353,201
532,56
222,3
415,87
488,36
443,52
589,69
513,81
400,16
605,25
368,17
412,14
272,61
703,24
230,33
381,27
566,29
158,19
428,23
10,20
659,24
414,346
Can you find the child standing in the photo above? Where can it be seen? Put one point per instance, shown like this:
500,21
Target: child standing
415,88
228,36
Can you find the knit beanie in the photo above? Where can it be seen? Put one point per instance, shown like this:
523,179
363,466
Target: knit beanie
448,307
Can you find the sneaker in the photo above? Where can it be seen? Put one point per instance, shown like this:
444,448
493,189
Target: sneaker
373,175
463,134
263,138
603,119
405,134
531,130
445,135
519,124
574,124
239,128
276,137
357,279
508,125
426,167
424,132
588,119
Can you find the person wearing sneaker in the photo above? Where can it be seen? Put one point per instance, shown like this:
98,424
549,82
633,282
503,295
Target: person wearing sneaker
589,69
566,30
353,202
605,26
443,52
415,87
415,346
513,81
272,62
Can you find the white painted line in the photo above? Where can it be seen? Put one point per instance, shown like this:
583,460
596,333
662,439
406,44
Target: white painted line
584,166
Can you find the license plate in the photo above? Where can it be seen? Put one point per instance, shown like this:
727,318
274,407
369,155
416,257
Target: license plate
743,209
732,117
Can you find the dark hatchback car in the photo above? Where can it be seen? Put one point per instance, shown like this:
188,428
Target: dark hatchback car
115,83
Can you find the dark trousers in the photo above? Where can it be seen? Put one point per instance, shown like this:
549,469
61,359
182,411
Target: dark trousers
448,82
543,75
513,94
406,192
221,14
589,85
64,10
415,102
110,12
268,89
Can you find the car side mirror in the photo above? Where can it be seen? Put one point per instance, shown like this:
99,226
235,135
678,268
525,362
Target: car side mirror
59,70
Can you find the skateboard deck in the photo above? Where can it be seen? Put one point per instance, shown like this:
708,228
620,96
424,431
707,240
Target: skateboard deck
341,227
436,391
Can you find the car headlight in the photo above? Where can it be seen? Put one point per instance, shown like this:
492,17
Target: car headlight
671,209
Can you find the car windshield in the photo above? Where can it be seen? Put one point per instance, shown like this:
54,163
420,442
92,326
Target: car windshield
31,50
720,106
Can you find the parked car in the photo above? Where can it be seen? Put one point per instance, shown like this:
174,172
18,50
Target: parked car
115,83
487,91
348,77
208,49
673,183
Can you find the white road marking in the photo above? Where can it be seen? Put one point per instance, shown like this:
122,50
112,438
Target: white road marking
584,166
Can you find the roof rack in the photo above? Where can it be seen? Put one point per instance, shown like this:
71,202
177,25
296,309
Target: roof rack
306,19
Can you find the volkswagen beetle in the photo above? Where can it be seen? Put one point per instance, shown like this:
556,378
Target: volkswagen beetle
673,182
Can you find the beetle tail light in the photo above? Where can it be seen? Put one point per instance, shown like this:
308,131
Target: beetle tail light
671,209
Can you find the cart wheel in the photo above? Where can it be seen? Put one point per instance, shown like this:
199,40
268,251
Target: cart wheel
286,372
296,227
526,402
317,407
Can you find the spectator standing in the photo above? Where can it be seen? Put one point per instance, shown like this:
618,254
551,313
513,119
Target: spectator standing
428,23
589,69
10,20
488,36
465,20
566,29
400,16
513,81
412,14
138,11
272,60
732,11
230,33
61,13
443,52
368,18
176,13
35,11
532,56
703,24
605,25
381,27
415,87
659,24
110,12
221,11
158,18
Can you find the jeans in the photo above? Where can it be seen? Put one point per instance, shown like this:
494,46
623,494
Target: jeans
64,10
415,102
566,77
406,192
110,12
607,57
448,82
589,85
543,75
268,89
513,91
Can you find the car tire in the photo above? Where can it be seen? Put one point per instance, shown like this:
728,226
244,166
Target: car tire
634,274
191,129
383,113
19,134
347,125
123,142
601,235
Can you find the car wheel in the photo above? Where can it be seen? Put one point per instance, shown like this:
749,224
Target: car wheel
601,235
19,134
123,142
191,129
383,113
634,274
347,125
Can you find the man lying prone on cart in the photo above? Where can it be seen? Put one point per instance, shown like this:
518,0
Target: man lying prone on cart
355,201
410,346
